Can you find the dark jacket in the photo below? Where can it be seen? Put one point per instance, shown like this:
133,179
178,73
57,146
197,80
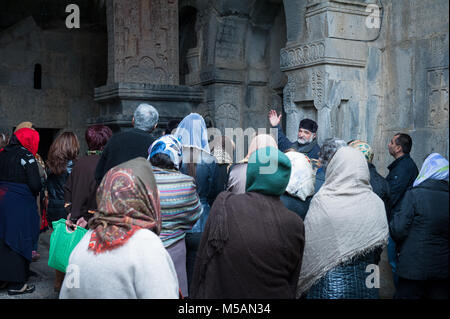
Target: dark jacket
80,188
55,189
206,171
18,165
296,205
122,147
402,173
419,227
379,186
320,179
312,149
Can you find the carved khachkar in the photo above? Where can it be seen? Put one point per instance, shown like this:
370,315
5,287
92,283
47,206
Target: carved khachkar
143,41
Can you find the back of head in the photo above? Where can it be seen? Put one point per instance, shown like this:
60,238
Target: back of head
434,167
364,148
63,149
26,124
171,125
405,142
97,136
145,117
329,148
261,141
268,172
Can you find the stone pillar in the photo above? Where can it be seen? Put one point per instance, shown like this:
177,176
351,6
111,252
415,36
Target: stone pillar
143,63
326,71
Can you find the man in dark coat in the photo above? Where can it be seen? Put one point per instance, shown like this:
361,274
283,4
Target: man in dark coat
130,144
402,173
419,226
307,136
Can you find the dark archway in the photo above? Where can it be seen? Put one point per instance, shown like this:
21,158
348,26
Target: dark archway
187,38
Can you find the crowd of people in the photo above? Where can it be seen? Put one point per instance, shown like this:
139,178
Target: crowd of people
180,217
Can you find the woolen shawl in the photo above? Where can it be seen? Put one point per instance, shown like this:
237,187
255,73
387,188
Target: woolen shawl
127,200
345,218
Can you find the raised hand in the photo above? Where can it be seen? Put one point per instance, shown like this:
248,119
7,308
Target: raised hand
274,119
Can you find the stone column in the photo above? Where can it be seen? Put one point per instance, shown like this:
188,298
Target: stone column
143,63
326,70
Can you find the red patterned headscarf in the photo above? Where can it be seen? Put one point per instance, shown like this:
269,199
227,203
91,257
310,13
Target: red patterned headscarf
128,200
29,138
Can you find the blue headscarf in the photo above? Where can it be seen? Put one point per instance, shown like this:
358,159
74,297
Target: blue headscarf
434,167
169,145
192,132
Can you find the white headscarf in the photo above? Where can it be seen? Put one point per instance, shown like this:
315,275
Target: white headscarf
301,182
345,218
192,132
434,167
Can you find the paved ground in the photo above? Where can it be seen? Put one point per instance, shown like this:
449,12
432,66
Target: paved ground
45,276
43,280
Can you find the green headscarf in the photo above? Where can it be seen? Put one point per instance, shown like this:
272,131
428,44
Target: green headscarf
268,172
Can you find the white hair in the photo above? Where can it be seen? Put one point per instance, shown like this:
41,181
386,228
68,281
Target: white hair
145,117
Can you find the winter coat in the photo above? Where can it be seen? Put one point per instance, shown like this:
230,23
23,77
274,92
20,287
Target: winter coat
296,205
347,280
402,173
419,226
122,147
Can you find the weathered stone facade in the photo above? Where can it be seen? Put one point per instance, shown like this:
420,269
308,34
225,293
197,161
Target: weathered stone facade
361,69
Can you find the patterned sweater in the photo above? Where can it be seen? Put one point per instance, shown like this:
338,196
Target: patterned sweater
180,204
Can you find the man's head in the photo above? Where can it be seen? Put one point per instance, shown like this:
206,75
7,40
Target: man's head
399,145
307,131
145,117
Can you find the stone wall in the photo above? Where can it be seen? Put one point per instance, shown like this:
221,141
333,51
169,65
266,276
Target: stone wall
410,65
73,62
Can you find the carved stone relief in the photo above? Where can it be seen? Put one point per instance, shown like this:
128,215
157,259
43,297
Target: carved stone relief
145,41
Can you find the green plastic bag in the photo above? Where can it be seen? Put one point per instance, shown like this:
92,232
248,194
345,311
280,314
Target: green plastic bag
62,241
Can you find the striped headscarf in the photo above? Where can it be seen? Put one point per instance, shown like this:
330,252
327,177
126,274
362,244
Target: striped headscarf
169,145
364,148
128,200
434,167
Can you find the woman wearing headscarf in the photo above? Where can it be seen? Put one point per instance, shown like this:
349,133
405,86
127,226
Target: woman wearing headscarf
419,227
180,205
237,176
252,245
197,162
121,256
301,184
345,230
20,183
379,184
81,187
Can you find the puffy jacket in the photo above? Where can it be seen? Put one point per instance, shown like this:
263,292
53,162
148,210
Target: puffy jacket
55,189
347,280
419,226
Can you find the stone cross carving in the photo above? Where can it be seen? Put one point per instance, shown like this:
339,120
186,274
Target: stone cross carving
143,41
